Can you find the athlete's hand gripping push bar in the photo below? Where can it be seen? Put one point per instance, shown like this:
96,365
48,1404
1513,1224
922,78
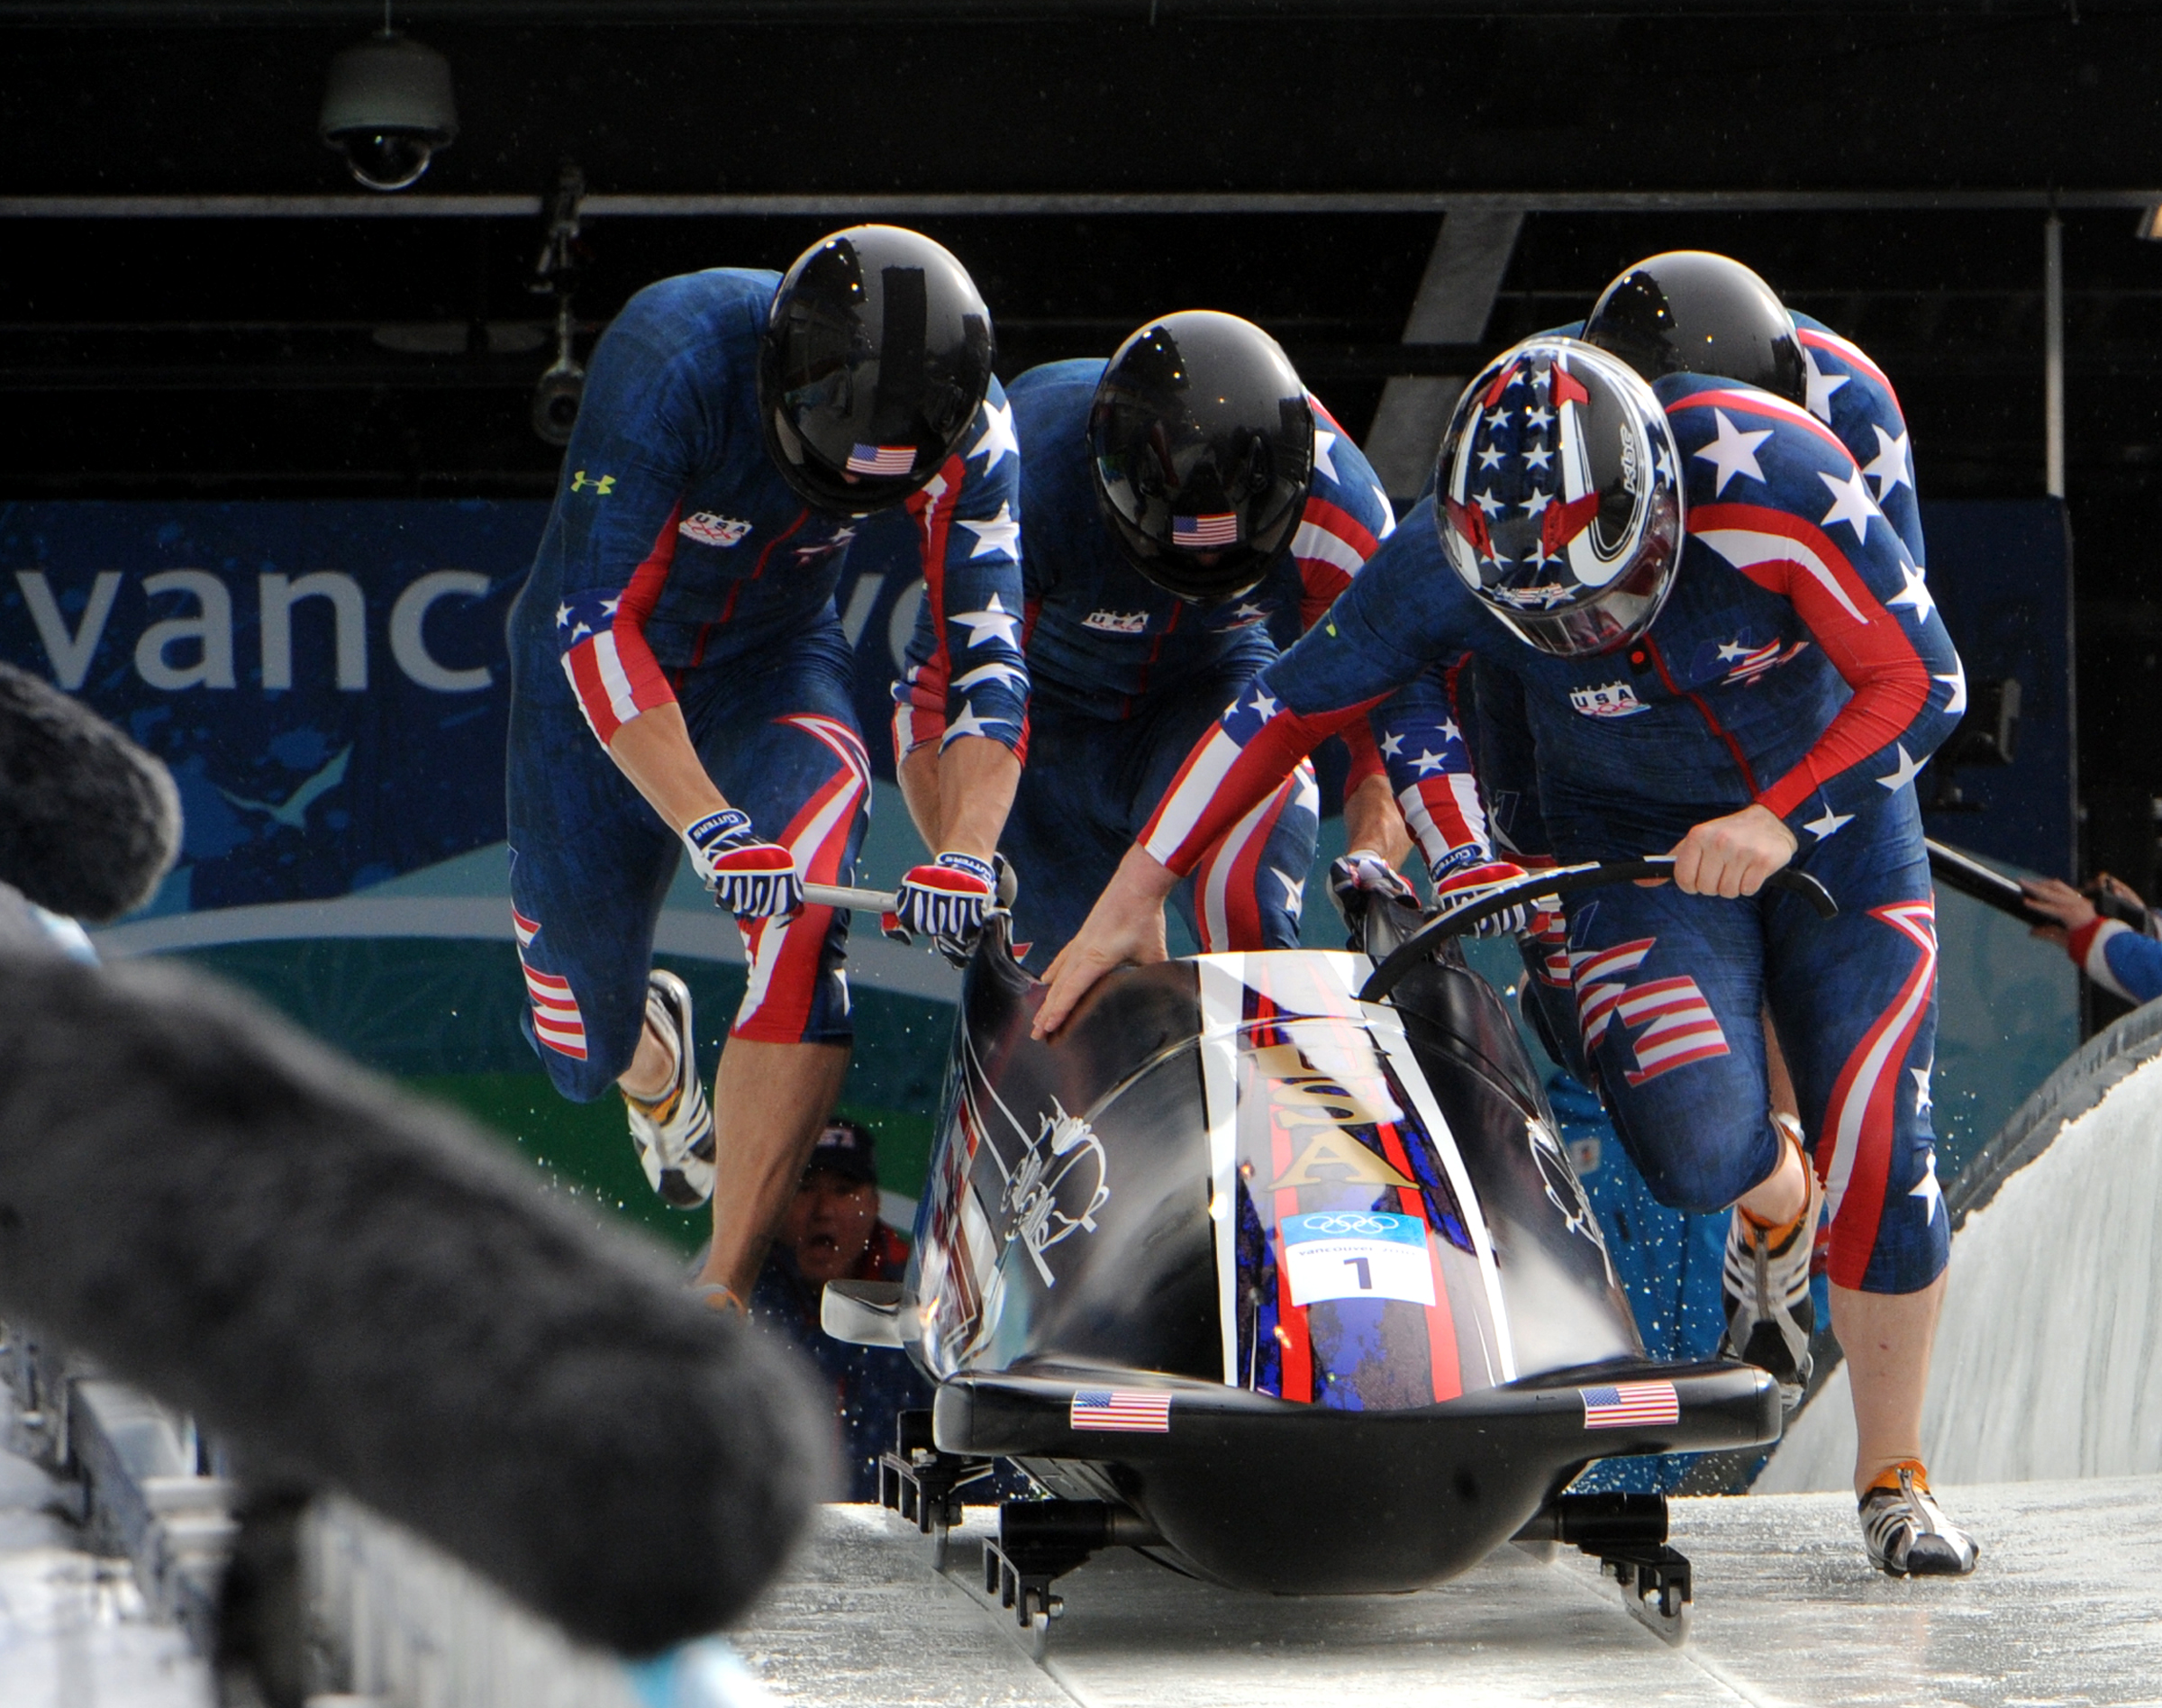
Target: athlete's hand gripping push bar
923,905
1555,881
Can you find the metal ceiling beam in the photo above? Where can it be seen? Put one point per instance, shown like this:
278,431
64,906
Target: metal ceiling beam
318,13
1062,202
1454,301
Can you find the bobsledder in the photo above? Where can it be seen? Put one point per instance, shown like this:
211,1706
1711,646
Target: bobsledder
1273,1266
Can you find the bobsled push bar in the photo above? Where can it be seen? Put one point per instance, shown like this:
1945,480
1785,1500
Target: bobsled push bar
1991,888
860,900
1556,880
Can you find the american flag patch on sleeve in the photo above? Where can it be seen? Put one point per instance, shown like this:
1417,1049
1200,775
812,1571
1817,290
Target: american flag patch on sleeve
1120,1409
1628,1403
882,459
1204,533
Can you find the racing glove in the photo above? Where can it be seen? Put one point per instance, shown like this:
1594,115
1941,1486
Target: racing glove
749,879
946,901
1533,914
1359,875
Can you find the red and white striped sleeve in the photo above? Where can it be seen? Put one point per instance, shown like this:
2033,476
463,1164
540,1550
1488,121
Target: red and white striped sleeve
1863,599
611,669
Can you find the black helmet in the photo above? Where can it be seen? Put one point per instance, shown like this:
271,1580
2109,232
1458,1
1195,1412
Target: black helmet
1202,440
876,356
1688,312
1558,497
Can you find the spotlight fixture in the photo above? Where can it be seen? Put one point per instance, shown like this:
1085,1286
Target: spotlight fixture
388,108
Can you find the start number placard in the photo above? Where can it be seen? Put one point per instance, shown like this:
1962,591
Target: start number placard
1356,1254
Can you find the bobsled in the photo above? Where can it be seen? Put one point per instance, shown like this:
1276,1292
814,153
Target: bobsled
1274,1266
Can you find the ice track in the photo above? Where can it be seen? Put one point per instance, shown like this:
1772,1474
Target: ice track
2048,1359
2066,1607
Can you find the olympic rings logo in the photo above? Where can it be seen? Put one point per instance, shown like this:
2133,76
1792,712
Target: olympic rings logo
1350,1221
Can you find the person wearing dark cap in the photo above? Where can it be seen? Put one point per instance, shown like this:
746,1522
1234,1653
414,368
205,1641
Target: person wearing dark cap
831,1233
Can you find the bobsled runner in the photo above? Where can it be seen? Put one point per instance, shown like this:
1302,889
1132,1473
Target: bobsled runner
1273,1266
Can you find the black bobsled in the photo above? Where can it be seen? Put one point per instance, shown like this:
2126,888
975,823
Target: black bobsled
1274,1266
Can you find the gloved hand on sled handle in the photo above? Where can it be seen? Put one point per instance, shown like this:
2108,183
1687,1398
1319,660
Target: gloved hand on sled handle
1361,873
1534,914
948,901
749,879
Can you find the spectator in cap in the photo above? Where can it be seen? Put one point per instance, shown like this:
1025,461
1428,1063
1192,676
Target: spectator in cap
831,1233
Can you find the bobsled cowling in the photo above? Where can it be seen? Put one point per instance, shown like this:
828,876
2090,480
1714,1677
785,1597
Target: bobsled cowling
1305,1282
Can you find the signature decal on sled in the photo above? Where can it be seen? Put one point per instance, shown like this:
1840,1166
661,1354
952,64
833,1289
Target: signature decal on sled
1045,1210
1055,1179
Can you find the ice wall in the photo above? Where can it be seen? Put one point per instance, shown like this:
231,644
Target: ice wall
2049,1357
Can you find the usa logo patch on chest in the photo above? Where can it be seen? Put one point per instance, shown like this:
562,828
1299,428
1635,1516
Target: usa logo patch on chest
709,528
1609,700
1117,622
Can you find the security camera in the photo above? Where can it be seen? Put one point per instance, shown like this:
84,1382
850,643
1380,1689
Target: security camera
556,401
388,108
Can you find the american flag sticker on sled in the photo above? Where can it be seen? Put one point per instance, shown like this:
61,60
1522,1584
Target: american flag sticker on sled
882,459
1120,1409
1628,1403
1204,533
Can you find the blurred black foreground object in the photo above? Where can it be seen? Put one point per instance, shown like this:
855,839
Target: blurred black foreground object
89,822
358,1290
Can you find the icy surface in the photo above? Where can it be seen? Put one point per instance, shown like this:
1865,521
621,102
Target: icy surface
2066,1607
73,1630
2049,1357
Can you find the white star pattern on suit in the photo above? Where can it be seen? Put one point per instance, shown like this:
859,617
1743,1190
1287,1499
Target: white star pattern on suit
1894,465
1830,821
998,440
1850,503
1821,386
992,623
1906,773
999,537
1915,593
1733,452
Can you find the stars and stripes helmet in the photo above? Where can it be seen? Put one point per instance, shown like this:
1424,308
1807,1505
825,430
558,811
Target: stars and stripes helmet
1691,312
1558,497
876,356
1201,438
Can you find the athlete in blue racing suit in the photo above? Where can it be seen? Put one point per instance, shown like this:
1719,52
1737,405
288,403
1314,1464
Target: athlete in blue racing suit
1778,704
1457,827
1124,676
677,669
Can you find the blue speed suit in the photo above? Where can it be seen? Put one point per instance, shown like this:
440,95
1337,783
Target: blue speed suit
678,568
1125,676
1799,664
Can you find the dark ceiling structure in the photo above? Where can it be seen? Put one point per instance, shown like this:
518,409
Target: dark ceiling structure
196,301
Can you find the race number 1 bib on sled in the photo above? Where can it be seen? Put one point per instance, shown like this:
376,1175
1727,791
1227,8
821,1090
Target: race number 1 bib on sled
1356,1254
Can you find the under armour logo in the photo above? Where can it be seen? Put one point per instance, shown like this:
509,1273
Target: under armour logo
601,485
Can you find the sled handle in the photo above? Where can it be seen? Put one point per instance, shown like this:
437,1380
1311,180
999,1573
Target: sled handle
1985,883
1556,880
866,901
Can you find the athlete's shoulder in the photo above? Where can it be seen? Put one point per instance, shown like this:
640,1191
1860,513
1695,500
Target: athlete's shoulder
1050,381
724,301
1412,558
1727,430
990,452
1344,480
1824,348
1050,409
1405,606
